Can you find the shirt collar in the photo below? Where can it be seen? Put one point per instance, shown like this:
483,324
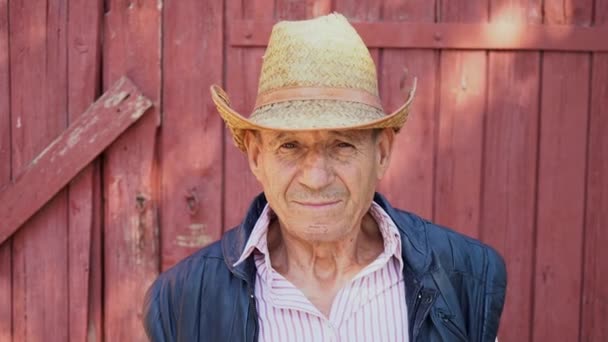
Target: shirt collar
257,239
388,230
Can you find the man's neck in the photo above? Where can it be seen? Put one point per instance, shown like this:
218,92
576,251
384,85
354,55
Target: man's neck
320,258
321,269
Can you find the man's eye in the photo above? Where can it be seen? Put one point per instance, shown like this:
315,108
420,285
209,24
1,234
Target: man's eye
289,145
344,145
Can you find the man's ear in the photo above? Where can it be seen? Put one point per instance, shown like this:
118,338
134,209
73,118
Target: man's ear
384,144
253,146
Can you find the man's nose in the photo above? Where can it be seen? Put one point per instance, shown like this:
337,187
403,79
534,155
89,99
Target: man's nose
316,172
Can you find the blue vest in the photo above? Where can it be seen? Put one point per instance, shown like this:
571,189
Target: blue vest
454,286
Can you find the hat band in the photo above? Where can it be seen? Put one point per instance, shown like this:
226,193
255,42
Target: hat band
313,93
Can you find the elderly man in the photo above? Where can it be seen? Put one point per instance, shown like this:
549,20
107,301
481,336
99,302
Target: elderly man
319,255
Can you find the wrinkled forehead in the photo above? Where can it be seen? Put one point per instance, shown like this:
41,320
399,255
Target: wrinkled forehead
354,135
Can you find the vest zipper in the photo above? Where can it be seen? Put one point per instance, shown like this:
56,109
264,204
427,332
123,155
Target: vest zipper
448,323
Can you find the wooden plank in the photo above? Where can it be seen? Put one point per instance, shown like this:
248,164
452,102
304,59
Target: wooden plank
6,319
5,136
315,8
594,303
38,114
84,52
80,211
595,292
561,181
69,153
290,10
409,180
95,303
242,74
191,140
509,171
360,11
6,331
561,192
300,10
462,104
132,45
420,35
509,180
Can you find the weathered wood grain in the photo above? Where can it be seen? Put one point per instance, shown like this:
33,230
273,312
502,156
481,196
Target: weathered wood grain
242,74
462,106
594,302
594,307
315,8
131,46
561,181
420,35
80,211
96,301
84,56
5,124
290,10
509,180
191,138
300,10
6,318
510,157
561,196
409,180
69,153
38,67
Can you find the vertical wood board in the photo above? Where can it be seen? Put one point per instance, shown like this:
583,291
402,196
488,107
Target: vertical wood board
462,104
131,46
242,74
510,157
561,181
290,10
561,195
594,306
508,197
5,133
6,292
458,171
5,175
302,9
191,140
409,181
594,301
38,114
84,66
95,303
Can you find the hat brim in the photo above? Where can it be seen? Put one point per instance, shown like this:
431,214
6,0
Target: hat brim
238,124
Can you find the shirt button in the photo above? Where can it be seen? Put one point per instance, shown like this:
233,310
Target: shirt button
331,335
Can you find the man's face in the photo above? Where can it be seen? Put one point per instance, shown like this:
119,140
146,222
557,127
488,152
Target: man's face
319,183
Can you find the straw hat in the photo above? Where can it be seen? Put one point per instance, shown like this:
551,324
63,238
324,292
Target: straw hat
316,74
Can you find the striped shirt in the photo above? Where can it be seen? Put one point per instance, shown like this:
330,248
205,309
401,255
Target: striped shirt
369,308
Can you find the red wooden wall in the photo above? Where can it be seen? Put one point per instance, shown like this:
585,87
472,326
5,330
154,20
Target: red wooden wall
505,145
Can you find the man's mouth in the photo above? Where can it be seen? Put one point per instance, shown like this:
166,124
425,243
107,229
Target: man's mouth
317,204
